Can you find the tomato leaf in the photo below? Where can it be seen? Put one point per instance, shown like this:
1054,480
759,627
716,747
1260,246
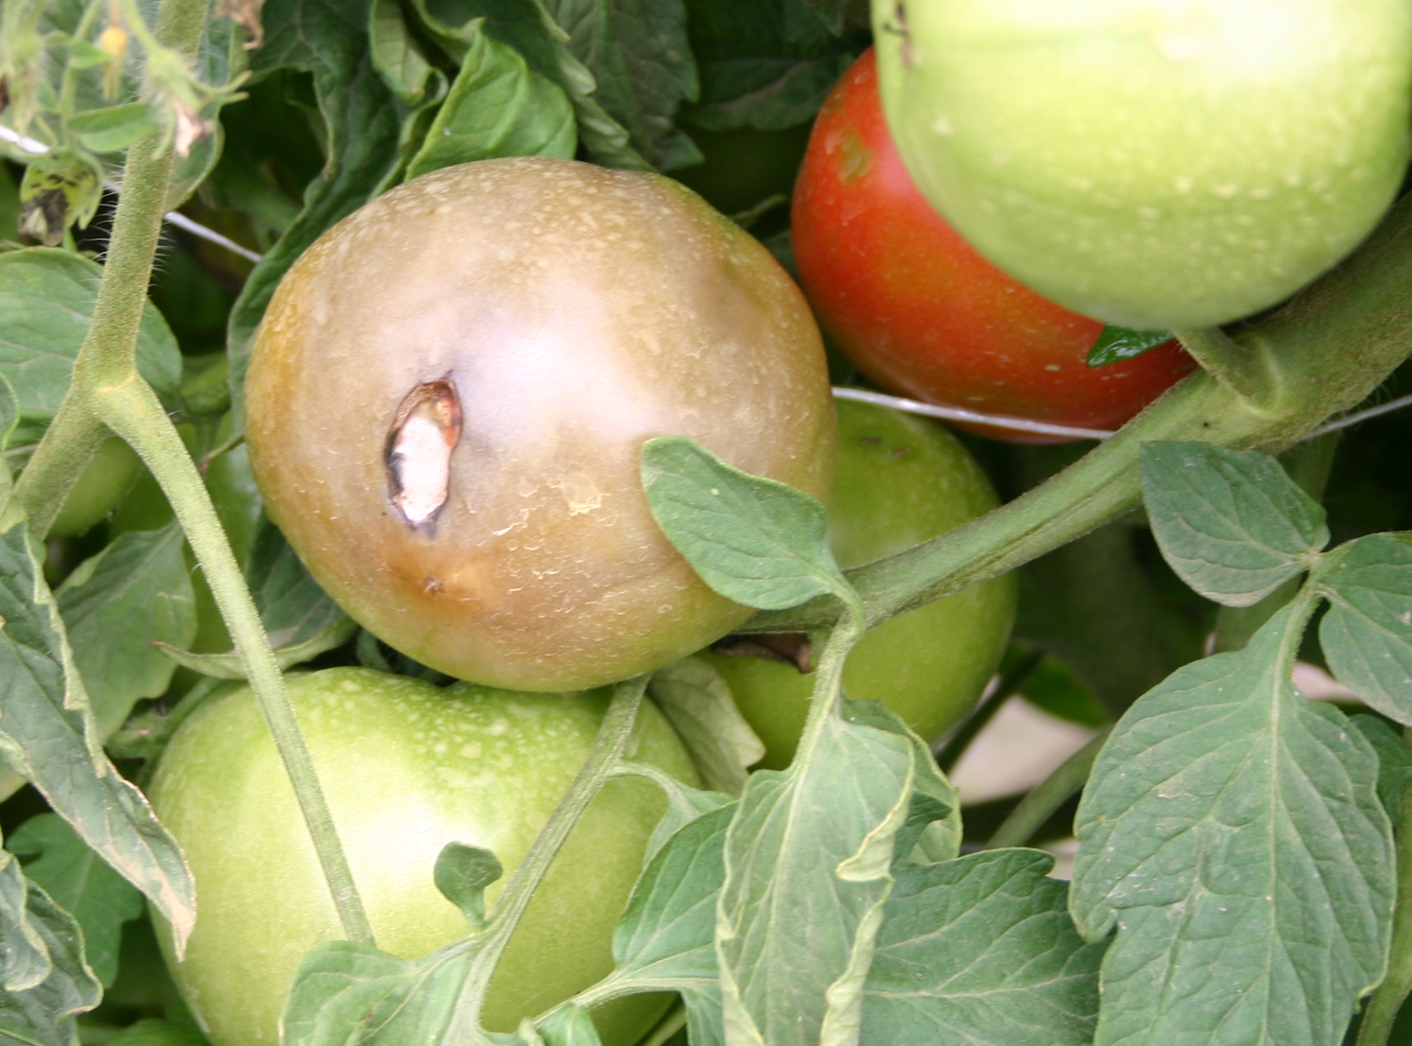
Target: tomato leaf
751,539
116,605
113,127
767,66
80,882
808,867
395,53
42,1013
981,950
1232,833
698,702
497,106
1232,524
24,961
363,124
568,1025
639,55
1367,633
294,609
346,993
1394,761
462,873
47,734
9,418
1116,344
46,305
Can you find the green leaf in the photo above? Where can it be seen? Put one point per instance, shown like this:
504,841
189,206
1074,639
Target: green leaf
528,27
753,540
60,189
1232,833
24,960
80,882
363,123
1231,523
346,993
808,861
396,54
116,605
981,951
639,54
113,127
46,306
9,418
698,702
764,65
47,735
568,1025
1116,344
498,106
1394,761
1367,633
230,666
293,607
43,1014
462,873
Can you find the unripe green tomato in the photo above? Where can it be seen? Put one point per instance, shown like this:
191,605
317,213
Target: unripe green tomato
449,395
1152,163
406,768
99,488
899,480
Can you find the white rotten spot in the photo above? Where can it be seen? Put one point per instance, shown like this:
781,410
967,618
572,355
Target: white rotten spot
418,451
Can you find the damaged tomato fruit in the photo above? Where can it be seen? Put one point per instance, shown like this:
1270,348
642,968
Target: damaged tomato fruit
450,391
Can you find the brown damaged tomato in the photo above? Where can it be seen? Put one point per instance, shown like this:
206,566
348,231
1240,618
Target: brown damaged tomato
449,394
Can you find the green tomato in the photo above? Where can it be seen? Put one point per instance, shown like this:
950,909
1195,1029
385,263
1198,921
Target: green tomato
449,394
1154,164
406,768
99,488
899,480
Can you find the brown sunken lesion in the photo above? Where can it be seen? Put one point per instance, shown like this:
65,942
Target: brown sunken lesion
789,648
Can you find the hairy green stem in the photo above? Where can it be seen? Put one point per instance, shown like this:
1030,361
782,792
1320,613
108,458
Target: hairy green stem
601,765
1386,1003
1045,799
1247,370
134,413
1332,346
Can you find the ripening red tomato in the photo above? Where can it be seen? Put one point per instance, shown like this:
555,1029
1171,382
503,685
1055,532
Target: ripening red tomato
920,312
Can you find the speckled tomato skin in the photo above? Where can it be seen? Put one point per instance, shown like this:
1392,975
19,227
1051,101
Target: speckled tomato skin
406,769
900,480
1157,164
579,312
920,312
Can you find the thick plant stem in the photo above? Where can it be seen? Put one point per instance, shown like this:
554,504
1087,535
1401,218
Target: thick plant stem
1332,346
1384,1006
1052,793
602,762
1246,370
134,413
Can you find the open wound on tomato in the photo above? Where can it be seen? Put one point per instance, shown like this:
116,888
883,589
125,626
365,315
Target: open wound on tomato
788,648
418,450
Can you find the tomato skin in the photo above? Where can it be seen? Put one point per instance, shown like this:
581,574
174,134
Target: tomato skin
920,312
100,487
578,312
406,768
1157,164
900,480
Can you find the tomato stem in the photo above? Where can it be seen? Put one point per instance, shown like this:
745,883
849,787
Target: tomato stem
1247,370
1036,808
618,722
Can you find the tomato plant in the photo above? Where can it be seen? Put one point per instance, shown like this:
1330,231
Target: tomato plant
99,489
482,353
407,768
920,312
899,481
1202,161
1221,820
